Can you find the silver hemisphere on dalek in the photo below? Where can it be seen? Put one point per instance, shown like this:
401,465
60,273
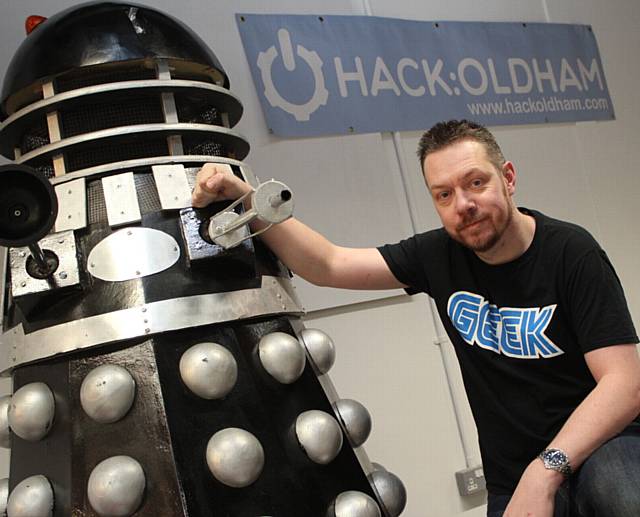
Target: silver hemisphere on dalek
4,495
320,435
282,356
235,457
31,411
116,486
354,504
107,393
320,348
390,489
356,420
209,370
32,497
5,430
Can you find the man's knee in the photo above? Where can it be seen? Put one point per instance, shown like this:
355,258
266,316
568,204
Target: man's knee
607,484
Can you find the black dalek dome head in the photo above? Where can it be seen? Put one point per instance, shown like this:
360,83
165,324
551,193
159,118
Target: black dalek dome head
115,83
103,33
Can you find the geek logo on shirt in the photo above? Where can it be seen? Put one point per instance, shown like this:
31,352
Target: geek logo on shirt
514,332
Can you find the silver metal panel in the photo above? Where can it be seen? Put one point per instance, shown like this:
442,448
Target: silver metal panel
169,108
72,205
172,185
48,90
121,199
162,69
53,127
174,143
132,253
170,111
275,296
64,246
104,134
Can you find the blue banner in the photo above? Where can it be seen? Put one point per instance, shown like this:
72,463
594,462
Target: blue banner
318,75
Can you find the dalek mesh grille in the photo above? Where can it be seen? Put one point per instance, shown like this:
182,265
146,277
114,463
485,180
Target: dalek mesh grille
206,146
44,166
34,137
148,197
96,208
125,112
188,111
114,152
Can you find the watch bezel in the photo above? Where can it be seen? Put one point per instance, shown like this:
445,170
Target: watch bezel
556,459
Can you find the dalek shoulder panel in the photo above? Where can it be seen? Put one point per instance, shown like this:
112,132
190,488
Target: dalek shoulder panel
119,265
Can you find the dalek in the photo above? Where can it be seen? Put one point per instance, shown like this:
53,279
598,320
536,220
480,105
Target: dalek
160,366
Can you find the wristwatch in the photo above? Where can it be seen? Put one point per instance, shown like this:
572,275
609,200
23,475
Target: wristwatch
555,459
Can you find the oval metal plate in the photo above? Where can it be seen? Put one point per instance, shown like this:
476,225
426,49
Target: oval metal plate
132,253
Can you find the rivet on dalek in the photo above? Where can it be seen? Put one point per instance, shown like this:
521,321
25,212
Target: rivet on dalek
159,361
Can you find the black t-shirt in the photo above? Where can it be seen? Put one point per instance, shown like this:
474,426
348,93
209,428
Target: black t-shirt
520,331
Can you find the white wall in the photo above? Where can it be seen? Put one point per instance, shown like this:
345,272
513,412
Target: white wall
386,357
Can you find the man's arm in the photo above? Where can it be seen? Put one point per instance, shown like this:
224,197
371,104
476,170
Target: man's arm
607,410
303,250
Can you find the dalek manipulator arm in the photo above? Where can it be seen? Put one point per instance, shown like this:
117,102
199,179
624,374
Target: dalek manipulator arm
271,202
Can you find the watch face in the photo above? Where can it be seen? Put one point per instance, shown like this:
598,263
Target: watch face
556,458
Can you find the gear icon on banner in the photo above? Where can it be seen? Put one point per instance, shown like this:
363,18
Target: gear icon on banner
301,112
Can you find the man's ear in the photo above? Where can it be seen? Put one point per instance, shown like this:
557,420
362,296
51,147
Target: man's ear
509,175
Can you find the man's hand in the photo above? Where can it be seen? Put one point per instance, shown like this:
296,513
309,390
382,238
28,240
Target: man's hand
216,182
536,491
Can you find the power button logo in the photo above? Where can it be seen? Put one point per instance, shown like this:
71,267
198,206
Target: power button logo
301,112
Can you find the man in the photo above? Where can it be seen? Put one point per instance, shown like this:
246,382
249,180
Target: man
535,312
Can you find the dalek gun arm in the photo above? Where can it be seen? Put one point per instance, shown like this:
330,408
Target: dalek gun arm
271,202
28,210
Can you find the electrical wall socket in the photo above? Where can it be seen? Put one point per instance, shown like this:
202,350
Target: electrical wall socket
470,481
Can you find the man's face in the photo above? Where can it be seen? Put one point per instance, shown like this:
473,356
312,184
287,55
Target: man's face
472,197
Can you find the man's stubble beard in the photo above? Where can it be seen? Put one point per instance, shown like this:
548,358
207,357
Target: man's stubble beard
494,238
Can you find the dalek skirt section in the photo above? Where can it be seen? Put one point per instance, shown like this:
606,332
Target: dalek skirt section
159,363
148,424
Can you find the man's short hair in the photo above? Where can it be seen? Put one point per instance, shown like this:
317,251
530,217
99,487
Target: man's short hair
446,133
